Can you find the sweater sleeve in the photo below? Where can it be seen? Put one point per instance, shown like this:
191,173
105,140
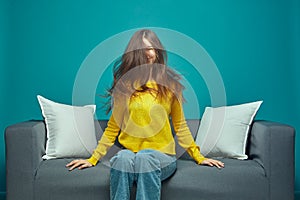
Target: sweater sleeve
184,136
107,140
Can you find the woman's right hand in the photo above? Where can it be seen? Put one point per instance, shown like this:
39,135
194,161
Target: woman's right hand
80,164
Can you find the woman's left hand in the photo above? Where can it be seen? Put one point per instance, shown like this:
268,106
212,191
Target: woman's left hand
212,162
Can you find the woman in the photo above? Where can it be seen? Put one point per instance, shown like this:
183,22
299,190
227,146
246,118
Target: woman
145,94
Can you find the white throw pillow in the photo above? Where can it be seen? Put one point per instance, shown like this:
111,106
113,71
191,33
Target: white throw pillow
70,129
224,130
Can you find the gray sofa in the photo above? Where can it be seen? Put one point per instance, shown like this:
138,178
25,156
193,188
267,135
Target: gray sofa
268,174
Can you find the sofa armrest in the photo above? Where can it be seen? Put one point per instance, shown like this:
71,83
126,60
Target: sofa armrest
25,145
272,146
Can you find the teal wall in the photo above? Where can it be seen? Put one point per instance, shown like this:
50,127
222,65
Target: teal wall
295,83
255,45
3,89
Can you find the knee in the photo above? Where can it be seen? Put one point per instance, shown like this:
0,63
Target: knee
125,154
144,155
145,161
123,161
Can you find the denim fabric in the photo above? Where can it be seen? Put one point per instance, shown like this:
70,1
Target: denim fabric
147,168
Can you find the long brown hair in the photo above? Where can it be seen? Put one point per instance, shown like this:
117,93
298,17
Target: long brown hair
132,70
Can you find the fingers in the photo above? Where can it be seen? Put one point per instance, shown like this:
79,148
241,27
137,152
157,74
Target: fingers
212,162
80,164
85,165
218,164
75,165
71,163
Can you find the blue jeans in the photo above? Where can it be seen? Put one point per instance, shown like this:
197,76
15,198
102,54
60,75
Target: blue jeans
148,168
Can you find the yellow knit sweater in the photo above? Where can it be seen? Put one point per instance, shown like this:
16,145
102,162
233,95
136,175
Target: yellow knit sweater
145,125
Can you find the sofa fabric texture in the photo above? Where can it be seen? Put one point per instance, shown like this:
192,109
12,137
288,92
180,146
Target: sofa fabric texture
267,174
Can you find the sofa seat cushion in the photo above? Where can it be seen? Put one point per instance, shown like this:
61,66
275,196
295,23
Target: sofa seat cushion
54,181
238,179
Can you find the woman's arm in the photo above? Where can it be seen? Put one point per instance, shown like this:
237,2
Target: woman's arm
107,140
185,138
